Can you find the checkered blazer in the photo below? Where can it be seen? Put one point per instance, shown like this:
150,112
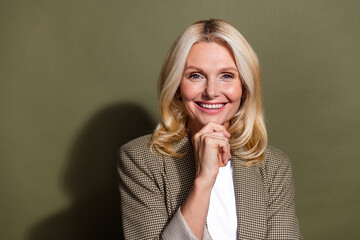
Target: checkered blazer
153,187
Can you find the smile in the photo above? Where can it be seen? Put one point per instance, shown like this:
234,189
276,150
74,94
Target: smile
211,106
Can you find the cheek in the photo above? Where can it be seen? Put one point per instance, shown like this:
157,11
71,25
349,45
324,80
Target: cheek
185,94
188,91
234,93
183,90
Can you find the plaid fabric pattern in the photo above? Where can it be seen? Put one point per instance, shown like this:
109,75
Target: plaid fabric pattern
153,187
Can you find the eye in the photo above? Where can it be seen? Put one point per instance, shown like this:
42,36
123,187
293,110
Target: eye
194,76
227,76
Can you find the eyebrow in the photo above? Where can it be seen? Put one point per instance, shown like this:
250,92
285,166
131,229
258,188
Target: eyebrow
225,69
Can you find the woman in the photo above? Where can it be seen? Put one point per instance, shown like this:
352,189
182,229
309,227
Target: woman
207,172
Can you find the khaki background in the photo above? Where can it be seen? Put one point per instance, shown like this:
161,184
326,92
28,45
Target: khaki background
78,79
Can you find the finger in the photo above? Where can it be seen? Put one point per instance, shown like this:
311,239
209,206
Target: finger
220,160
214,127
215,135
225,153
224,159
219,142
217,139
206,131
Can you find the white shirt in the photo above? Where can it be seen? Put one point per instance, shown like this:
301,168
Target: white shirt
222,218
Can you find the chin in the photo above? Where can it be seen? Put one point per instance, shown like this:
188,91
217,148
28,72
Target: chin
217,121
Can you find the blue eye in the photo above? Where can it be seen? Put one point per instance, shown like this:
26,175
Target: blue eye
227,76
195,76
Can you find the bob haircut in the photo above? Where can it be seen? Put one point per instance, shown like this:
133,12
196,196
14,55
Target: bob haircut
247,127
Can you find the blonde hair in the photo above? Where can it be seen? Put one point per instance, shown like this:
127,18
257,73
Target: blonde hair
247,126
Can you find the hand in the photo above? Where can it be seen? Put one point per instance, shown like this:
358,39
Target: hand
211,151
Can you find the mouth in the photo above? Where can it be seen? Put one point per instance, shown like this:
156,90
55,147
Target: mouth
211,106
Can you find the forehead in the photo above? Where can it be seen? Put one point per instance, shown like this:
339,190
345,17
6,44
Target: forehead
210,53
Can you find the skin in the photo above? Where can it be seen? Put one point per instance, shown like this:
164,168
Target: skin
211,93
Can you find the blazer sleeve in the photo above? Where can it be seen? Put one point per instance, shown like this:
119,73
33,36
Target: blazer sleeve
144,213
282,221
143,210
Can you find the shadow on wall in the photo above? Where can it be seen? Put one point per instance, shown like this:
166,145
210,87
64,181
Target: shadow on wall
91,179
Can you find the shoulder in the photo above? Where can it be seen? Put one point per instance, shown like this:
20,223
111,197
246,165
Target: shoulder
275,164
274,157
137,145
137,154
139,148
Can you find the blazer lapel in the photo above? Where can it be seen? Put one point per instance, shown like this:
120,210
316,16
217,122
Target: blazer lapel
251,201
180,175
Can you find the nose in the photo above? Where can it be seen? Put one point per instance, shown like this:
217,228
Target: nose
211,89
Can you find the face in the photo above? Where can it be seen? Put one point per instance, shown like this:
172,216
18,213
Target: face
210,86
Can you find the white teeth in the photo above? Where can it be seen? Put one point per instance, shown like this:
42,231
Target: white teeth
211,106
